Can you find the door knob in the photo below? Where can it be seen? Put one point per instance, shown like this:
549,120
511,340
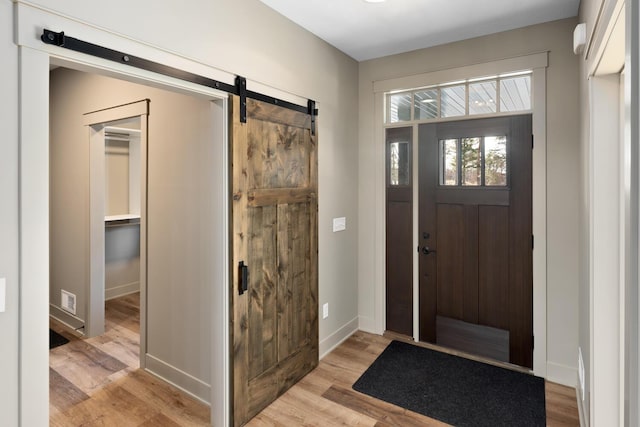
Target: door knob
427,251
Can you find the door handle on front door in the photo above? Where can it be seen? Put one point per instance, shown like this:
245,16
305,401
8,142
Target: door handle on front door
427,251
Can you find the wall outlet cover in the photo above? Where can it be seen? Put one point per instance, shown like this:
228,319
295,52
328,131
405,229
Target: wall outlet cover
325,310
339,224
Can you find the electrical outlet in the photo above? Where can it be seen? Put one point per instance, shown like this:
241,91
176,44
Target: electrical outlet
325,310
3,293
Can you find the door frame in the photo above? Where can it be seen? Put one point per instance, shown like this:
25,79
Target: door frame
35,58
537,63
96,124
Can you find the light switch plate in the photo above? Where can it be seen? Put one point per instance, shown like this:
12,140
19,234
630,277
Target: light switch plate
3,294
325,310
339,224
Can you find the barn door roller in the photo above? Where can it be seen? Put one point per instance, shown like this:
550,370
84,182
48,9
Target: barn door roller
240,87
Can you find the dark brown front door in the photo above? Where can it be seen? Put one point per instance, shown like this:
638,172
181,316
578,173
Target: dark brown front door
275,254
476,286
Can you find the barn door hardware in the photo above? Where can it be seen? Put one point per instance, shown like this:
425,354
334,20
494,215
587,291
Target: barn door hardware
243,269
313,112
239,88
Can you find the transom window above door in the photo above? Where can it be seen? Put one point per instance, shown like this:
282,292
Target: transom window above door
479,161
505,93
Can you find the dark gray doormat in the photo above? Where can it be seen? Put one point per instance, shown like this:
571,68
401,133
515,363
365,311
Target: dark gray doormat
56,340
452,389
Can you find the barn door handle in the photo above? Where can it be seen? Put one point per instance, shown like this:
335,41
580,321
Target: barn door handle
427,251
244,277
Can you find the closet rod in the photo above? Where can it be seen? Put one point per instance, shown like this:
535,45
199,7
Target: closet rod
240,87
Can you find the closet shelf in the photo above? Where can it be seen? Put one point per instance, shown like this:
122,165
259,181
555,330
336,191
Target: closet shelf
110,218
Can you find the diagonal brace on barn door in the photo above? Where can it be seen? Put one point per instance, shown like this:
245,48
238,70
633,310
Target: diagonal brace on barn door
240,87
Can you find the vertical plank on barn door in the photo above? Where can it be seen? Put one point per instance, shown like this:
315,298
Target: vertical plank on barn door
274,213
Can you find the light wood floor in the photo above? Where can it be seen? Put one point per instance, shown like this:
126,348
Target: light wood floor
97,382
325,397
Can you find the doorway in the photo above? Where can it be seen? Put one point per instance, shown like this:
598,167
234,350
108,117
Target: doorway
179,234
474,235
475,232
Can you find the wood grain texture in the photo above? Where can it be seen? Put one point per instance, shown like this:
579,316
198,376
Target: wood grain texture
97,381
325,396
483,273
276,196
399,239
399,268
274,215
520,245
493,270
450,246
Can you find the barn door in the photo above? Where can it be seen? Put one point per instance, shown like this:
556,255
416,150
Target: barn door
476,283
275,264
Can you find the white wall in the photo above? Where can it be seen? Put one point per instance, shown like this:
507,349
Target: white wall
245,38
562,166
9,217
608,336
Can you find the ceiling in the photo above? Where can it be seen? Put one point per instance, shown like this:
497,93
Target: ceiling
371,30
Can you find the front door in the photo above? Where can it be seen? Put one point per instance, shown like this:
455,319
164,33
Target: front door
476,283
274,288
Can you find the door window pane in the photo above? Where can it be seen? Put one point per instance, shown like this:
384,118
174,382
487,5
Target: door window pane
495,160
449,162
400,107
482,97
515,93
399,170
471,161
453,101
426,104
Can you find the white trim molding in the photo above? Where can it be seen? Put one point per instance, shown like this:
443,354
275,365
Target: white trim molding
338,337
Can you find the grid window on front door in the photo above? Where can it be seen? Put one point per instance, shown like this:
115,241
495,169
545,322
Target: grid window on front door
479,161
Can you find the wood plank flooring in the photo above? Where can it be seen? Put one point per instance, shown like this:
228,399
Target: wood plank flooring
325,397
97,382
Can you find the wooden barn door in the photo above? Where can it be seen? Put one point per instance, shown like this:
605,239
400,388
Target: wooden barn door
275,257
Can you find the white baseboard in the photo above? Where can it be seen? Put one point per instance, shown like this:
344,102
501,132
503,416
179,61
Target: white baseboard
68,319
335,339
367,324
561,374
121,290
179,379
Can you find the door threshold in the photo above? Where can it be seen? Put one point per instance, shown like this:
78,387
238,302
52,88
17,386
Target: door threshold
405,338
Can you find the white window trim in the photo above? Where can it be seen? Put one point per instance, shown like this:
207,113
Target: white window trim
537,63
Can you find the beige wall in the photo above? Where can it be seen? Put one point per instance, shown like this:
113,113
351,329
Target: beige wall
562,163
244,38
